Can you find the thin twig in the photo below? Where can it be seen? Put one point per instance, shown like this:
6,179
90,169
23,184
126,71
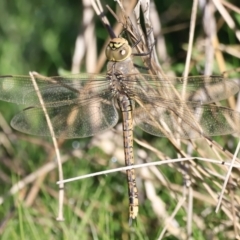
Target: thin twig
55,144
147,165
227,177
179,205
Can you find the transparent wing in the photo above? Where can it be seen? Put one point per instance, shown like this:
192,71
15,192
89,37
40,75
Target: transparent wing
76,120
204,89
55,91
185,120
162,111
64,90
89,98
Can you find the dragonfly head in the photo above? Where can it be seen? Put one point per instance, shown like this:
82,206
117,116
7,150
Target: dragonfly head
118,50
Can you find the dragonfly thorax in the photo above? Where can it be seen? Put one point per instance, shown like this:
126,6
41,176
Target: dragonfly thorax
118,50
121,76
119,85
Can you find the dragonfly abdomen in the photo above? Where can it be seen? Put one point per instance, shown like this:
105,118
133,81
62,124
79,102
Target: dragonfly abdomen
126,108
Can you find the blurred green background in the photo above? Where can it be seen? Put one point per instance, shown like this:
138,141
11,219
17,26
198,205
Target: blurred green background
38,35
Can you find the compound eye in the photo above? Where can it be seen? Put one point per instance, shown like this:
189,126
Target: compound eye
123,52
118,50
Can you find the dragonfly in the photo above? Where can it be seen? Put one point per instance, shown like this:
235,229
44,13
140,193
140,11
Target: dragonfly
83,105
